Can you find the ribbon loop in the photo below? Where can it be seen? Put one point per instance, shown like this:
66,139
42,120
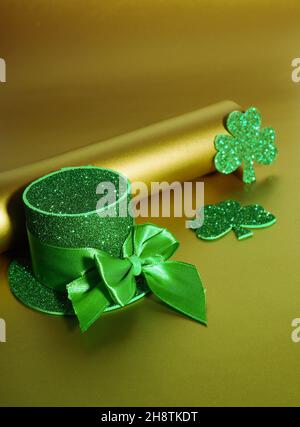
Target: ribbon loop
148,241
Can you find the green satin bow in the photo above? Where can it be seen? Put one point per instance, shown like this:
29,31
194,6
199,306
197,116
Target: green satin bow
145,252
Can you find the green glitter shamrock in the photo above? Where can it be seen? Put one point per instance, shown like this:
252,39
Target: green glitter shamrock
248,143
229,215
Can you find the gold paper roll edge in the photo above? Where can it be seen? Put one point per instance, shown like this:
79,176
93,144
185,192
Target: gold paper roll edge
177,149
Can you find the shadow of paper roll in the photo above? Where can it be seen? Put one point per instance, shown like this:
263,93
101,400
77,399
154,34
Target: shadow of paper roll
177,149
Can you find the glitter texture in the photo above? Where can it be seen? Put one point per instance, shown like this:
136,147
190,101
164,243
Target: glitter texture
38,297
248,143
229,215
61,211
27,289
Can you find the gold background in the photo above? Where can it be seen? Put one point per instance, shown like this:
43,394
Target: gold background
82,71
176,149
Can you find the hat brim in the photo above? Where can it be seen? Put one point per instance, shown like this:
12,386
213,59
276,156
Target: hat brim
33,294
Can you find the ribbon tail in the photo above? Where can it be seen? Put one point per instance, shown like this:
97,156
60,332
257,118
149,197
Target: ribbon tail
88,300
178,284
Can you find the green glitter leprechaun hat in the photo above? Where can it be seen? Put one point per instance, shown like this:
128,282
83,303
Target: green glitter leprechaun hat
87,259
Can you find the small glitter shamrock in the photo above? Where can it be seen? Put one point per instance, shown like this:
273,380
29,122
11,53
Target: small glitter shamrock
248,143
229,215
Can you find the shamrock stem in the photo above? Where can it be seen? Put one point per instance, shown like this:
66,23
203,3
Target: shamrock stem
242,233
248,173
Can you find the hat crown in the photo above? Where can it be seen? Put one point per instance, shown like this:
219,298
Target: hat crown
61,209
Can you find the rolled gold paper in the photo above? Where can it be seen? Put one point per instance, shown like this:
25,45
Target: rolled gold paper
177,149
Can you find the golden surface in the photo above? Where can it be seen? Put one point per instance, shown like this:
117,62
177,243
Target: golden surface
79,72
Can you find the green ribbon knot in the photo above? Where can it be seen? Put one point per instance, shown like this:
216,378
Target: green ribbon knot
97,279
136,264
